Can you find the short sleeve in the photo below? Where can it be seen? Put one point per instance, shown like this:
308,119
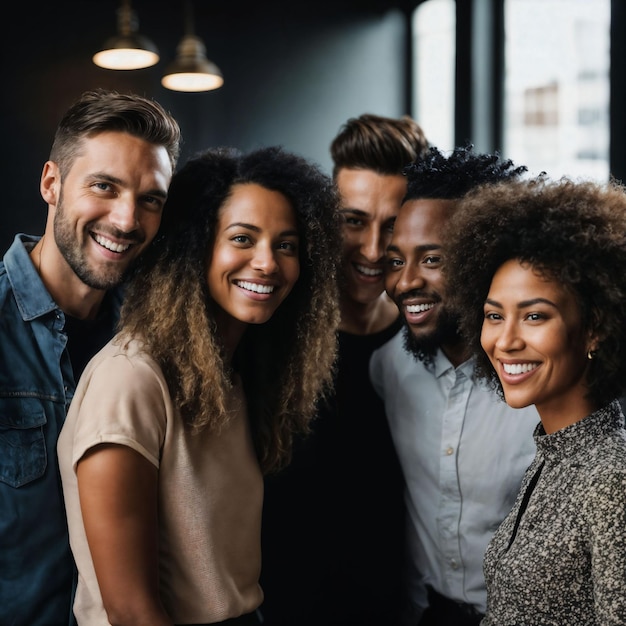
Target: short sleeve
121,398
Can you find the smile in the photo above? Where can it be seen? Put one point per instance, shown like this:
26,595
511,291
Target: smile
419,308
244,284
368,271
518,368
110,245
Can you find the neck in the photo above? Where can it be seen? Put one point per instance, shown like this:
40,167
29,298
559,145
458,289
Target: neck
68,291
368,318
457,352
561,412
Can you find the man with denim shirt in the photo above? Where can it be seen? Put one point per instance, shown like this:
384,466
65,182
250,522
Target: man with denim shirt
462,449
105,185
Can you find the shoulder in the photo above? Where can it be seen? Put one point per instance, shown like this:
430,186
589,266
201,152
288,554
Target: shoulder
124,366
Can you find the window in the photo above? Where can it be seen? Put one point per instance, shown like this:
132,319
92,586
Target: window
434,63
556,110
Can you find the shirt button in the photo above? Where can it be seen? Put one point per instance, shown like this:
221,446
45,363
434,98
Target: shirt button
450,451
454,564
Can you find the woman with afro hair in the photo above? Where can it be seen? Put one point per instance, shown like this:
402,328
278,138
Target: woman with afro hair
226,344
537,270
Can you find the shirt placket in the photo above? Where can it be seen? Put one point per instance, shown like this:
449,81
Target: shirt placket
450,505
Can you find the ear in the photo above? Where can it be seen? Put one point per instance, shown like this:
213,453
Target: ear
594,334
50,184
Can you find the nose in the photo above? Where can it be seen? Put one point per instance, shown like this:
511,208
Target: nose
373,245
124,215
264,259
509,338
408,279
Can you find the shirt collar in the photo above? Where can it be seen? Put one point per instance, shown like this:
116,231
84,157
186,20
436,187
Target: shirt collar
33,299
442,365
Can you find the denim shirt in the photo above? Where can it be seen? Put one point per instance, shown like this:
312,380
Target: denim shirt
37,577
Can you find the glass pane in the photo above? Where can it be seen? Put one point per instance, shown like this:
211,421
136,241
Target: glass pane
433,27
557,86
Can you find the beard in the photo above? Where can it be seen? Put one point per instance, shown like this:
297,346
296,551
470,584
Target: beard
424,347
103,277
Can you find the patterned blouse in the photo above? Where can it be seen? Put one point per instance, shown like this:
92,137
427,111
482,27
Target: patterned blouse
559,558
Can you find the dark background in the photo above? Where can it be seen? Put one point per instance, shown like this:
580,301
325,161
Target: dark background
294,72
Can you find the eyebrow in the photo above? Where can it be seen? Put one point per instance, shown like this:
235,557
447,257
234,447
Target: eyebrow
349,210
425,247
524,304
256,229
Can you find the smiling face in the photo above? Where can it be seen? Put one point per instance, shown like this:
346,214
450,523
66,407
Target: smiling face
254,261
534,337
414,278
369,205
108,207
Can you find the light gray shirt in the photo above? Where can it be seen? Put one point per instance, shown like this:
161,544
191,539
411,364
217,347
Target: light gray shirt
464,452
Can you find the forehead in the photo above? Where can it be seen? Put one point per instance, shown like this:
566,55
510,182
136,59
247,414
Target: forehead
364,186
519,281
122,153
254,204
422,221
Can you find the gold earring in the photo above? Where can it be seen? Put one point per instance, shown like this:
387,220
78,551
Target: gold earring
591,354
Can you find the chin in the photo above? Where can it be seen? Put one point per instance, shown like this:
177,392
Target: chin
517,403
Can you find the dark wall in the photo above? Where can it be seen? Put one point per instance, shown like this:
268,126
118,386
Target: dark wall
292,76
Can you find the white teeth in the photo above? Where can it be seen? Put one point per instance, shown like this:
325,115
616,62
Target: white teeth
368,271
255,287
109,245
518,368
419,308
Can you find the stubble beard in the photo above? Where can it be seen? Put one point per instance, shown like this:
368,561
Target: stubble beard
104,277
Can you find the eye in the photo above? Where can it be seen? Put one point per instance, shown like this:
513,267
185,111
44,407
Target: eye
492,316
536,317
388,226
242,239
288,246
152,203
394,263
102,186
353,221
432,259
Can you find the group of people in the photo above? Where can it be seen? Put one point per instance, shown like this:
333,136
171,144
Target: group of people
247,392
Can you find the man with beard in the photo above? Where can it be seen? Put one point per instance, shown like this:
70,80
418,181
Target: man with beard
105,185
463,450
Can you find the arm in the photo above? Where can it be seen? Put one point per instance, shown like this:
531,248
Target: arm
118,500
607,515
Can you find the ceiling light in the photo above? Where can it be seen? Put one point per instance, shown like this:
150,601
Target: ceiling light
128,50
191,70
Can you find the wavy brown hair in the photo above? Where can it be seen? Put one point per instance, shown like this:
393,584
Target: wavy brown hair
374,142
573,232
286,364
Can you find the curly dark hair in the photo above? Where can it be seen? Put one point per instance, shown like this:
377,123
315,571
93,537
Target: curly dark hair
435,175
573,232
286,364
374,142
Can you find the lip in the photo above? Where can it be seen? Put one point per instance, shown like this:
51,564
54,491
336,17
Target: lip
111,247
247,287
425,310
358,269
517,378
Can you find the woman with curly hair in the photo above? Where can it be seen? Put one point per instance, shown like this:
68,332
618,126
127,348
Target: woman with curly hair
537,270
226,344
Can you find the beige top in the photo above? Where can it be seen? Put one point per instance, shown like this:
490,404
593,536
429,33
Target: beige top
210,490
